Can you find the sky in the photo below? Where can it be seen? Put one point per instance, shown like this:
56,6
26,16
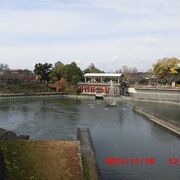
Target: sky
108,33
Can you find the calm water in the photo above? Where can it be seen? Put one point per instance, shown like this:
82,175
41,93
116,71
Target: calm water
167,112
116,132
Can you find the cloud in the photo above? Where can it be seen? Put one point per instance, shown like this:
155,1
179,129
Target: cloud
107,55
150,40
107,32
44,22
40,4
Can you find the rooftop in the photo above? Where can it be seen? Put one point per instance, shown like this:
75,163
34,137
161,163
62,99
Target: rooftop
103,75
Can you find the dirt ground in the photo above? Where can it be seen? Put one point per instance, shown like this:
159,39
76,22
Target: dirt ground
42,160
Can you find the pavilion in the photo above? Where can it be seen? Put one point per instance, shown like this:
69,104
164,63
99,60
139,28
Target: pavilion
96,83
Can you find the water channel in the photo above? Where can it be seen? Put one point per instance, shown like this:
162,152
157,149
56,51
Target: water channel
116,132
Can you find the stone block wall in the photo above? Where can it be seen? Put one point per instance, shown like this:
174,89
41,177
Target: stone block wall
156,94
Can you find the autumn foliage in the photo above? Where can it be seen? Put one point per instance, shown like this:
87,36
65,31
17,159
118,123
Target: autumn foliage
167,69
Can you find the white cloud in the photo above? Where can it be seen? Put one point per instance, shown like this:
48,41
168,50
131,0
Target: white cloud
47,22
150,40
107,55
109,33
138,6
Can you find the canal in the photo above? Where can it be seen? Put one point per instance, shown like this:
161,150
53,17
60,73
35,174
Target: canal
117,132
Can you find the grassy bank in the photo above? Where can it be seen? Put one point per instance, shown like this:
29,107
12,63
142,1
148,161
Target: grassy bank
38,160
24,88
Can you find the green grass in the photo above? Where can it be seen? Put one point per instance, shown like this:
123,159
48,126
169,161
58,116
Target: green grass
85,169
15,158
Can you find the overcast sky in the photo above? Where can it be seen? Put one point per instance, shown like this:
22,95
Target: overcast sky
108,33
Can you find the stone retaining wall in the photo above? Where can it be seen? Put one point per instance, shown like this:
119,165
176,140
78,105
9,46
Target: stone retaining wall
159,121
88,154
162,94
22,96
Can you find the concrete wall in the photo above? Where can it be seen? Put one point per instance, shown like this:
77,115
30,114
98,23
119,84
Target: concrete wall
169,125
155,94
23,96
88,154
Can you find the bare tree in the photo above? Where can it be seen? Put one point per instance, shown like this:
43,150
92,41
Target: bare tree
3,67
129,70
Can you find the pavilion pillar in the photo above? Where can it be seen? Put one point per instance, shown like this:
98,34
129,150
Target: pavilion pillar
101,79
85,79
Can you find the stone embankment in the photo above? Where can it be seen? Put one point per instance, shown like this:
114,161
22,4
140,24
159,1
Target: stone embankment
29,96
88,154
10,135
161,122
155,94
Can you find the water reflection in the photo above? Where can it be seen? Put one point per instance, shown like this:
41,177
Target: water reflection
168,112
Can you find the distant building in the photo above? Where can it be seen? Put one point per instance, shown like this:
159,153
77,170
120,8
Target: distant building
143,78
96,83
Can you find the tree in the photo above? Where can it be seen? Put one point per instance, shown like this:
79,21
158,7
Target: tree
129,70
43,71
57,72
72,73
3,67
167,69
150,71
63,84
58,63
92,69
119,71
129,74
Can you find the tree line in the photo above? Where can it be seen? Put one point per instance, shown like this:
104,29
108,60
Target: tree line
70,72
166,70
